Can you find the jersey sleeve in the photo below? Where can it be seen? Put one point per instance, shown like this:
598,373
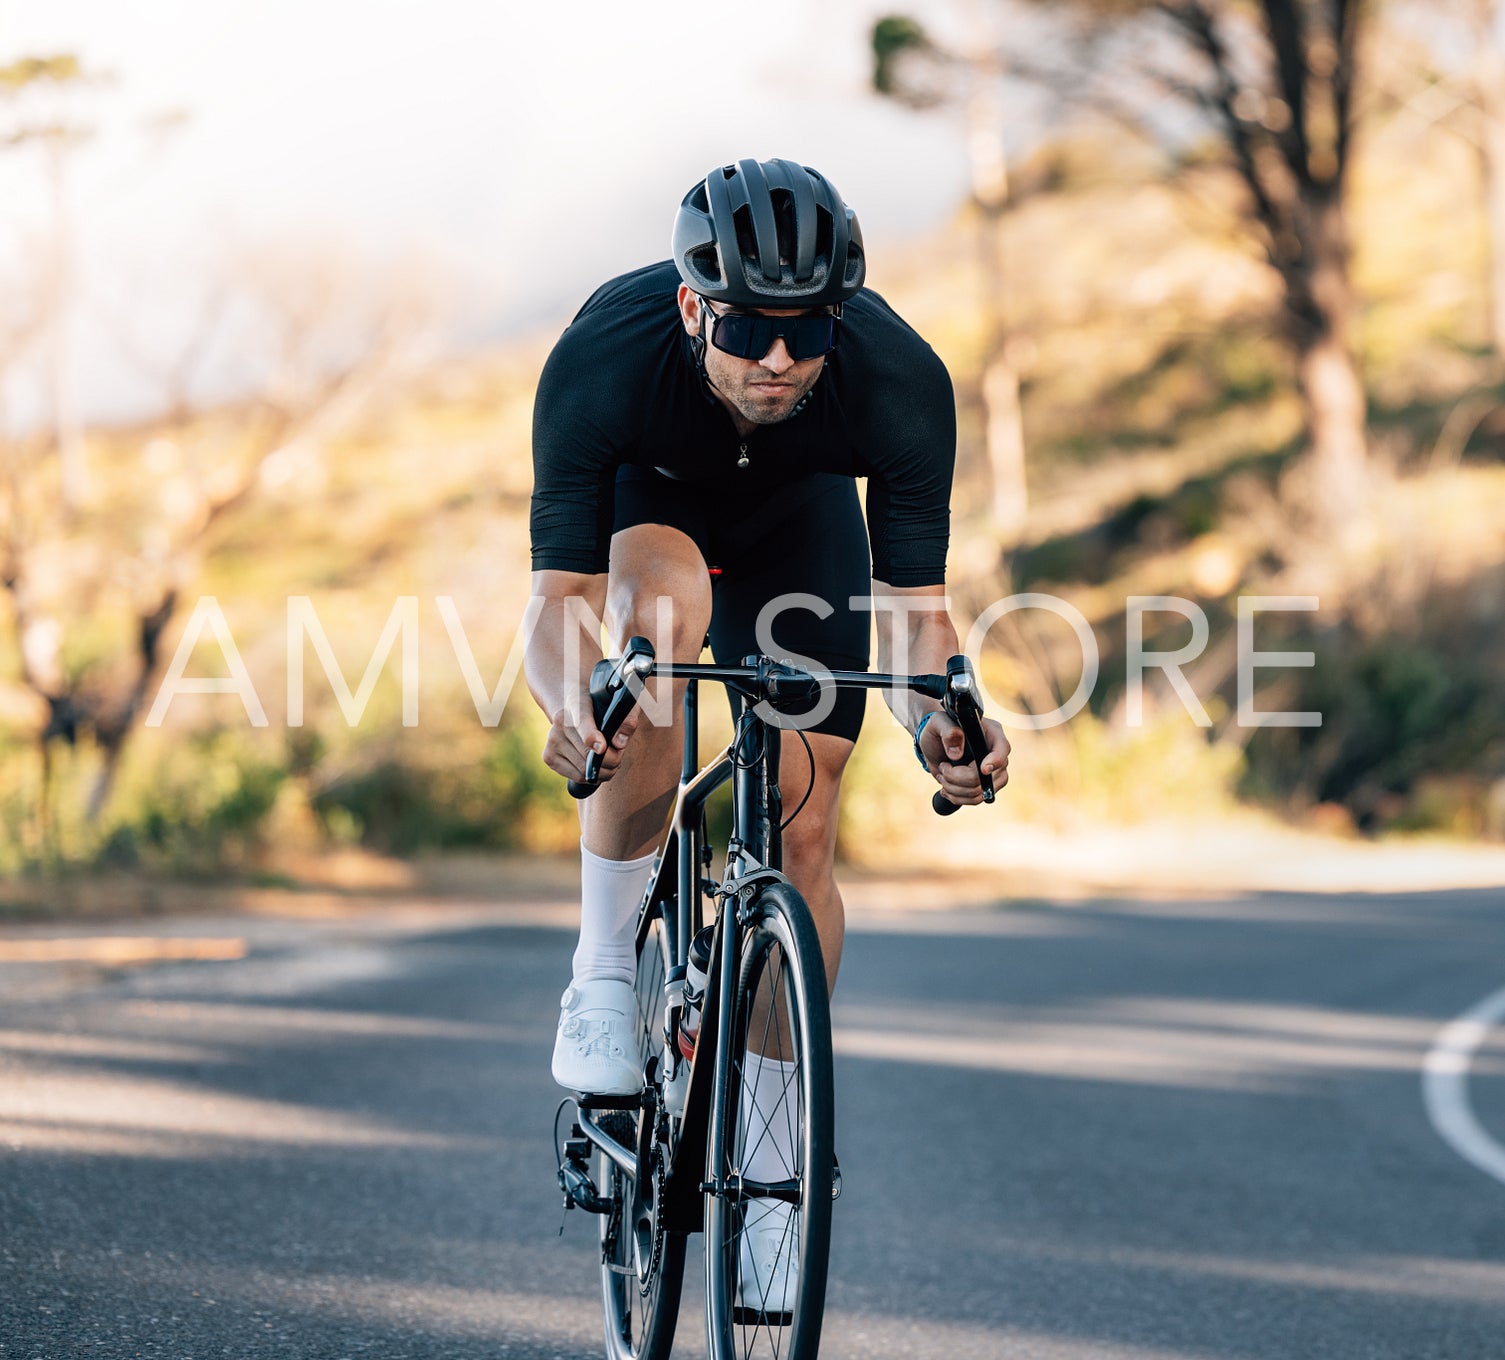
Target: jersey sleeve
911,456
576,434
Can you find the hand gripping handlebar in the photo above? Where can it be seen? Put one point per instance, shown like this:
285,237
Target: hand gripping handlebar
963,706
612,698
615,687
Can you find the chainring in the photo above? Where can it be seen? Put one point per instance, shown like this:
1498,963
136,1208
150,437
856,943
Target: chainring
623,1128
656,1258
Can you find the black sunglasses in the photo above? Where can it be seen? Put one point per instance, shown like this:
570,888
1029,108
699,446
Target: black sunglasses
747,336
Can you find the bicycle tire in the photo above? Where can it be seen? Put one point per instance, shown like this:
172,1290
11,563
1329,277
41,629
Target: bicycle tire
640,1281
779,945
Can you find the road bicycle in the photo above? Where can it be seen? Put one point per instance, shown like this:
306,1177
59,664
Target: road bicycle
679,1158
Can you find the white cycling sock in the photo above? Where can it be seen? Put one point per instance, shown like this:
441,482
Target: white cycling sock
768,1119
610,891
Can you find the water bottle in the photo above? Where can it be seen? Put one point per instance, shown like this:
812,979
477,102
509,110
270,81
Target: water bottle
677,1088
695,980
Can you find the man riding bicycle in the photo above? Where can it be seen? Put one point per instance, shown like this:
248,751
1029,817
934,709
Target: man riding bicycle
696,437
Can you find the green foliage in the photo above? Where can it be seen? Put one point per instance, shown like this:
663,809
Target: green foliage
387,807
1146,523
1192,380
225,801
505,799
894,36
204,811
1167,768
1422,426
1397,711
1086,773
19,783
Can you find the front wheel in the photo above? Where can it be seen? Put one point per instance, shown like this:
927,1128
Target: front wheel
769,1161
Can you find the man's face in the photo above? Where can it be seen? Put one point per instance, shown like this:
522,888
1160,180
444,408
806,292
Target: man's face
763,391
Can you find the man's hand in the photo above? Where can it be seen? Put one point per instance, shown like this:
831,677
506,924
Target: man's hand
945,748
569,739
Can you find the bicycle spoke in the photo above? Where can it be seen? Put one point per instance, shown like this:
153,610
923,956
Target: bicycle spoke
640,1281
791,1079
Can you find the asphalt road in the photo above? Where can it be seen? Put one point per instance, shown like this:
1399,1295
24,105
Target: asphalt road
1117,1130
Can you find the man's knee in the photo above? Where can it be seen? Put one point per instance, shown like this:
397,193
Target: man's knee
811,836
659,589
810,839
675,622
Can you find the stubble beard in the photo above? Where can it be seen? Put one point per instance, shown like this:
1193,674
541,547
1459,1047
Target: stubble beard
763,408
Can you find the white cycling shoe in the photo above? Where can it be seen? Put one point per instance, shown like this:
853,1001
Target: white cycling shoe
596,1048
768,1262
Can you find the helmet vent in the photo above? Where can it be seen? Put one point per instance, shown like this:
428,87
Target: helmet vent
747,241
705,263
824,247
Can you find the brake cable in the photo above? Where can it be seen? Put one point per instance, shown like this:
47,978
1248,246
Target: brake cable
783,826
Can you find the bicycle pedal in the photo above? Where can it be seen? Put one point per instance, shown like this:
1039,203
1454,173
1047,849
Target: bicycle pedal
752,1317
579,1190
589,1102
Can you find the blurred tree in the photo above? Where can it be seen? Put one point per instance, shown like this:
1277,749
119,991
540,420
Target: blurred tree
1488,81
1276,80
1272,81
40,101
93,591
95,573
912,68
1455,79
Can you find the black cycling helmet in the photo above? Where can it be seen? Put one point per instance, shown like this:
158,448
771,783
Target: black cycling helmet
768,234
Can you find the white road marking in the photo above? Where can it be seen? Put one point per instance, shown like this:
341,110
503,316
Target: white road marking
1444,1085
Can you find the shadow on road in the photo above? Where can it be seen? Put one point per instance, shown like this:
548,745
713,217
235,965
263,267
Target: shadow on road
1109,1129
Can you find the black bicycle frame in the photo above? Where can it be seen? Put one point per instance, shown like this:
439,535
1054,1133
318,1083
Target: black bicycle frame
754,851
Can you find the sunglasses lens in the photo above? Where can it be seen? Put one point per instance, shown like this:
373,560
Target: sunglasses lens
746,337
808,337
751,337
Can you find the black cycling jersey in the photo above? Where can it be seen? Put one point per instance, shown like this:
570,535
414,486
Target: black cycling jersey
622,388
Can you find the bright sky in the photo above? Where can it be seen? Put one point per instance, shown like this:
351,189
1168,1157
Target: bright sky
534,149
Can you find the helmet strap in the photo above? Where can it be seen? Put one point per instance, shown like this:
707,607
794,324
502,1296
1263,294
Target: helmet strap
697,348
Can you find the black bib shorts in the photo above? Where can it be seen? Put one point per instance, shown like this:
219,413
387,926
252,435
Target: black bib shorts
806,538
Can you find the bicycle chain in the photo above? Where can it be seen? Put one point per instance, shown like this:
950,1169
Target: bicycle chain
656,1180
622,1213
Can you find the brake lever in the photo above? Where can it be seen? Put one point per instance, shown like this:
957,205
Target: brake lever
612,699
963,706
617,709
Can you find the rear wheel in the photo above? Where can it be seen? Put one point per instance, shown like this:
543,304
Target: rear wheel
768,1227
642,1267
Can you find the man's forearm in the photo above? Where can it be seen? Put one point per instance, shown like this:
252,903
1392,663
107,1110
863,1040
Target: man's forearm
564,644
929,642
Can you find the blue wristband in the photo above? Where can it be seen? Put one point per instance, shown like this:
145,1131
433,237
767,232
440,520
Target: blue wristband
918,754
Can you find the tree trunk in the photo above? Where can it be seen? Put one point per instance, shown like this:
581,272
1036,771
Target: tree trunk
1005,436
113,733
1003,414
1489,85
1494,190
1327,373
104,783
1334,397
67,421
44,802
